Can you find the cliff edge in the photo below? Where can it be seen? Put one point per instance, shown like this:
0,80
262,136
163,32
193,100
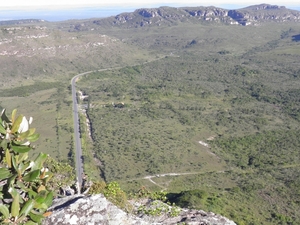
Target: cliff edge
96,209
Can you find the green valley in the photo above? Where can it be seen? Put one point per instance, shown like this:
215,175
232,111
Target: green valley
207,111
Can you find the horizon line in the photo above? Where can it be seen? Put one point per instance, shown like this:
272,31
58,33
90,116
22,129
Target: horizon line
137,6
57,14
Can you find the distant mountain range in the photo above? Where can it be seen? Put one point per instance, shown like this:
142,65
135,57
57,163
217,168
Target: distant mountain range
251,15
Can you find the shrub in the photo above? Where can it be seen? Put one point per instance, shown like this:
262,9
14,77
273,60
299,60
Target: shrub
157,204
97,187
24,197
190,199
112,192
64,174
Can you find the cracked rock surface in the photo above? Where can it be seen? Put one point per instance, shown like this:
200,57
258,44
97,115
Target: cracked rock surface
96,209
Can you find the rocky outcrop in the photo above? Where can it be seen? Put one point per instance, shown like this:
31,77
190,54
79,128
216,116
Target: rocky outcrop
210,14
149,13
92,210
82,210
252,15
196,217
26,21
208,11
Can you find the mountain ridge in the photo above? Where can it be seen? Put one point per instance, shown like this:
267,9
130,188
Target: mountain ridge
251,15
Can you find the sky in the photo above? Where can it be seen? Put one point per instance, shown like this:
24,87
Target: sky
132,3
55,10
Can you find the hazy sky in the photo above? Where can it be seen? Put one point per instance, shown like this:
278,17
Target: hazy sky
138,3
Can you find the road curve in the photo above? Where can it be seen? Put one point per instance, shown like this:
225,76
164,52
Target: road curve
78,150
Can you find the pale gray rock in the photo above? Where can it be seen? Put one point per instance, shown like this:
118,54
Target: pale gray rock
96,209
252,15
88,210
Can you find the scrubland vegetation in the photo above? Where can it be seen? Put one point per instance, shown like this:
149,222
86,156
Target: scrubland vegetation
243,97
235,88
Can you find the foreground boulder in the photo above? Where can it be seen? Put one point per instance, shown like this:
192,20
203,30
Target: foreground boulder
96,209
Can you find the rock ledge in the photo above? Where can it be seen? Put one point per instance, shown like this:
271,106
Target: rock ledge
96,209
